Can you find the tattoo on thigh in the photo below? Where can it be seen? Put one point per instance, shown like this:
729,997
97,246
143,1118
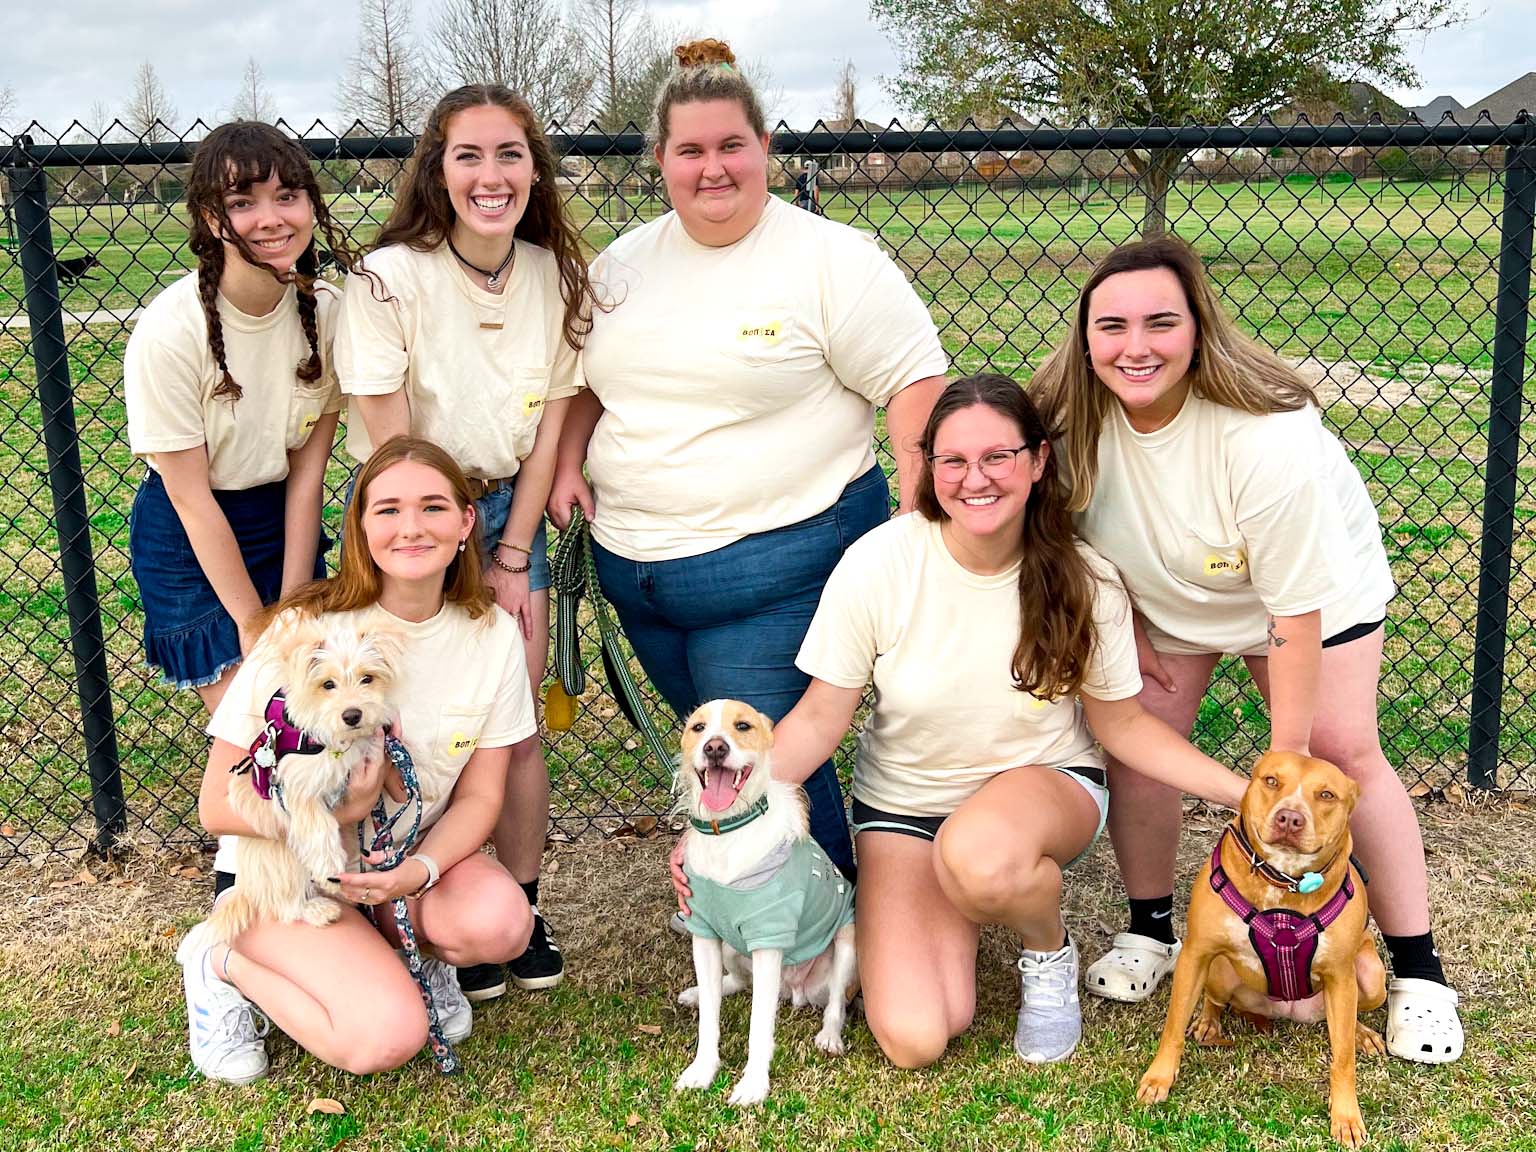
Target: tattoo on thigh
1274,638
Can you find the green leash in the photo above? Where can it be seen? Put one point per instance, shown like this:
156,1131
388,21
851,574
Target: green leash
573,574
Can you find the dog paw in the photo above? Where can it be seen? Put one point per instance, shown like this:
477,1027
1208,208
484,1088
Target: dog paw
1209,1033
1347,1126
750,1089
689,997
830,1041
1154,1087
320,912
700,1074
1369,1041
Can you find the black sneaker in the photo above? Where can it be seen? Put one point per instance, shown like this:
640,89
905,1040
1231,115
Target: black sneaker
540,966
483,981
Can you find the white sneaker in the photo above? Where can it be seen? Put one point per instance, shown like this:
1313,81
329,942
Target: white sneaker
453,1010
1050,1016
222,1025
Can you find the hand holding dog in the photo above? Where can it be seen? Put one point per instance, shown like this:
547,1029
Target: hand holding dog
381,887
373,775
679,878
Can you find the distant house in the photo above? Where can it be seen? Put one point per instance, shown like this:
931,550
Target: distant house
1436,110
1509,101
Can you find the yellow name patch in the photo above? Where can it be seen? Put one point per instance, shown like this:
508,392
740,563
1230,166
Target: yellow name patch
309,424
768,332
459,743
1228,565
532,402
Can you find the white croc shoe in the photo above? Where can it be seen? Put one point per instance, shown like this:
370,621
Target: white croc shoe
1422,1023
1132,968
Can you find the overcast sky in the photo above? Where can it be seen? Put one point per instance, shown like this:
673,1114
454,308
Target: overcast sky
75,52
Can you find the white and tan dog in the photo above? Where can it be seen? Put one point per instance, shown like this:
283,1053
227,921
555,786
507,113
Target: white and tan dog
338,676
766,900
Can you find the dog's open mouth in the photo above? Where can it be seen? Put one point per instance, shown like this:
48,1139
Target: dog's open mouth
721,786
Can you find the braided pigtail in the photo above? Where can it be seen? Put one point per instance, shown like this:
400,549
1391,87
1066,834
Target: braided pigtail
210,266
307,267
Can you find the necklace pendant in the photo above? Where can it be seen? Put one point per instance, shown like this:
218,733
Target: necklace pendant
493,281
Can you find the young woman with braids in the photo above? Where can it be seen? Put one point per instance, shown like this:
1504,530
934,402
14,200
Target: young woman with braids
462,326
1201,468
995,641
232,402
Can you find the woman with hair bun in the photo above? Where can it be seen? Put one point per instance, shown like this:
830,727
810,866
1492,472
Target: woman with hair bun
462,326
232,403
734,375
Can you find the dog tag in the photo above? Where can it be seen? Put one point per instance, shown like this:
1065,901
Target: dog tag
1310,882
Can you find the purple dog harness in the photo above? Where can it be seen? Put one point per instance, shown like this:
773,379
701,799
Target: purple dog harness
1286,941
281,737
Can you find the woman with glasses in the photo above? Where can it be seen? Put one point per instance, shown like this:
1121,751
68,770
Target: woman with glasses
1201,468
994,639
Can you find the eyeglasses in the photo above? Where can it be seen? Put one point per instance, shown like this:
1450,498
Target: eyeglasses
995,465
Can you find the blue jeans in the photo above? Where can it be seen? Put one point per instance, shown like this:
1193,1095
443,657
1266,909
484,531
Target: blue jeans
729,623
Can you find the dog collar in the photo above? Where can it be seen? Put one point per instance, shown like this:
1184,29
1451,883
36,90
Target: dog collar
1310,881
719,827
280,737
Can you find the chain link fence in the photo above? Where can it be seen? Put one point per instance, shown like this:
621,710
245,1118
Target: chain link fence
1390,263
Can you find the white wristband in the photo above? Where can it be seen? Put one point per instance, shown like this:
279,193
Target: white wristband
432,874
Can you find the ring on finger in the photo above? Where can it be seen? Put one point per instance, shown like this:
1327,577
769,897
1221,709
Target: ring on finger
367,895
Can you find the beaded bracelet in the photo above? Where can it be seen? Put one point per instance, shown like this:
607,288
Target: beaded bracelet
505,567
514,547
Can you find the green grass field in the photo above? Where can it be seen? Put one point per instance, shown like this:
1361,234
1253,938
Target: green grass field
1387,288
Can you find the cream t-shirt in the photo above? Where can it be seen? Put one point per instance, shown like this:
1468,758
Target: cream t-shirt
477,366
1222,517
938,641
169,375
739,383
463,685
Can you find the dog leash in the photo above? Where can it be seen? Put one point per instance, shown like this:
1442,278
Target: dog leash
384,841
574,573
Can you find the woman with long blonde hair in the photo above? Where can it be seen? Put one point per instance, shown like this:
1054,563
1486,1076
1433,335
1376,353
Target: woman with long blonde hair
1200,467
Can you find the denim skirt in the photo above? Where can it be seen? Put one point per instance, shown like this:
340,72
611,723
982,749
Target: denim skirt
188,636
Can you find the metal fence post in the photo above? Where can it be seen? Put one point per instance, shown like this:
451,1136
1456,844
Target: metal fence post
1511,315
29,188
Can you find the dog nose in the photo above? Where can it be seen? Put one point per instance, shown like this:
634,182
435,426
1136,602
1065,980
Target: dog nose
352,717
716,749
1287,820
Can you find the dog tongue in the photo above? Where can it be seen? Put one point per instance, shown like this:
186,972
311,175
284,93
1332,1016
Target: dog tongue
720,789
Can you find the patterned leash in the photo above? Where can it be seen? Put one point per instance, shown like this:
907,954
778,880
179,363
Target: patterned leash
384,841
574,574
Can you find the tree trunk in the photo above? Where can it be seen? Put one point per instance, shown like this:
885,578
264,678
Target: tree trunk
1156,169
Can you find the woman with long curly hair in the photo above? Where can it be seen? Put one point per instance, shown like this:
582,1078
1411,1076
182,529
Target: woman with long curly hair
1200,467
462,325
232,402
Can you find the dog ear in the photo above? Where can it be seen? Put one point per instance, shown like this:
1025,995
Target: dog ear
298,642
388,647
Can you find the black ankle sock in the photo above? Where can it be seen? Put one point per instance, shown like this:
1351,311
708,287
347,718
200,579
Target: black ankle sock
530,890
1153,918
1414,957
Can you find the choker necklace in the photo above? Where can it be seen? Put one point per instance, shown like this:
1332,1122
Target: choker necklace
492,276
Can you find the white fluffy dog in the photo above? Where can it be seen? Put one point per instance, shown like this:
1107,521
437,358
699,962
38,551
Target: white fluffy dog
338,676
761,889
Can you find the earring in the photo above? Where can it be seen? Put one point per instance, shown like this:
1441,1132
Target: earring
463,543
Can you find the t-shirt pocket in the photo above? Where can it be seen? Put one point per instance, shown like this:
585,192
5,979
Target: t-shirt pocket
305,410
1213,560
458,735
758,335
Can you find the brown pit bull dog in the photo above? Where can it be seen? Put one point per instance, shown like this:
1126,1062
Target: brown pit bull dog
1277,929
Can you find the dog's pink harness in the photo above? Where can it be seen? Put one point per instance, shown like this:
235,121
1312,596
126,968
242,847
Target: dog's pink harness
1285,941
281,737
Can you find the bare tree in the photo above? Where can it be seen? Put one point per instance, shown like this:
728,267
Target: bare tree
385,84
527,45
254,100
628,56
149,112
7,105
845,94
